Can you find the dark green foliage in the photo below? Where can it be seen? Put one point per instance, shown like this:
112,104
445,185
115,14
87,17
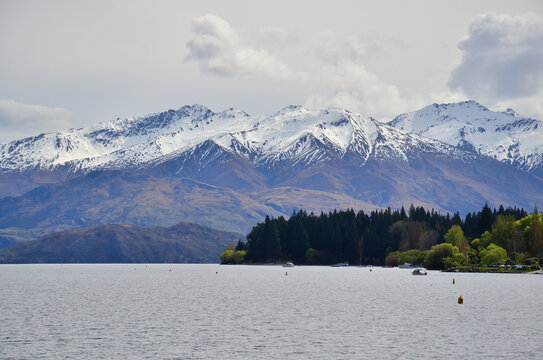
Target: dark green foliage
486,218
272,244
241,245
298,238
361,237
255,244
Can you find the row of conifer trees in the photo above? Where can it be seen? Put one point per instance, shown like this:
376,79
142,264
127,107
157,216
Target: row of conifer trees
360,238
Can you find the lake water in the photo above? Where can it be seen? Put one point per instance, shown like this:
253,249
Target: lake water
256,312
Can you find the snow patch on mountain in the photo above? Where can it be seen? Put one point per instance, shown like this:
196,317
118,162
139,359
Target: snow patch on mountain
501,135
294,135
121,142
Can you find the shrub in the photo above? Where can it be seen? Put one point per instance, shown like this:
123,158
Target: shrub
435,256
230,256
392,258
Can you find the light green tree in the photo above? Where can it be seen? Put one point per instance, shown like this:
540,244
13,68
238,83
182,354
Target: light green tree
493,255
455,236
435,256
503,230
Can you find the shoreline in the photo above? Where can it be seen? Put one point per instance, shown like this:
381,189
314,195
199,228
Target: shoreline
496,270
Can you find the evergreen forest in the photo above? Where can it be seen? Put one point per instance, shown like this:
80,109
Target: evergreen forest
392,237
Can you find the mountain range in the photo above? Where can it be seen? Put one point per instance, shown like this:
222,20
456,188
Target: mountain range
228,169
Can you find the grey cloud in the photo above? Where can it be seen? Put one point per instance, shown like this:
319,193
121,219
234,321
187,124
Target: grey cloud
502,58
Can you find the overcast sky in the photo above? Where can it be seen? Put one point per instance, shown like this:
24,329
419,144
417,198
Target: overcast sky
73,63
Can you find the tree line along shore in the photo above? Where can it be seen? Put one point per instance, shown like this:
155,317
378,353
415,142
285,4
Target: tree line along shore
490,240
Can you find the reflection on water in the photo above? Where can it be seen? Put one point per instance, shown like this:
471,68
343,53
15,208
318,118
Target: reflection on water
249,312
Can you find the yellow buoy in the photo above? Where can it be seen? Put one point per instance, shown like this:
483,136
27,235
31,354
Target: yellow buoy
370,269
454,281
460,300
286,273
216,272
170,270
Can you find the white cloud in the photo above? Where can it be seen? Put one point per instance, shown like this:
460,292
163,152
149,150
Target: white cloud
218,49
502,58
449,96
345,81
350,85
530,106
19,120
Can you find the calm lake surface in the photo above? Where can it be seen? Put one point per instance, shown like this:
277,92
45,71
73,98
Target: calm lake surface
256,312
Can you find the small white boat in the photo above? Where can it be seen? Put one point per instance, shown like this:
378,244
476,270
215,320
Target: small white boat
288,264
344,264
406,266
419,271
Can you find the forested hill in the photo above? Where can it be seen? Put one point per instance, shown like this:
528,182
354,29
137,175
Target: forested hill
365,238
122,243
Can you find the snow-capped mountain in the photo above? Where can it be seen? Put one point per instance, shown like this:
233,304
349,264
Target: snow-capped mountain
122,142
228,169
293,135
468,125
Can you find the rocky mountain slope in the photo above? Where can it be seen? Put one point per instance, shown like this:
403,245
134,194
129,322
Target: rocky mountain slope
103,197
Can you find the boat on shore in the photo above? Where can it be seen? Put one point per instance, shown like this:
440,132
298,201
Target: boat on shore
406,266
288,264
344,264
419,271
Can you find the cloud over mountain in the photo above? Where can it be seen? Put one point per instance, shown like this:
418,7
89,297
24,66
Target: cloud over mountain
16,118
502,60
218,49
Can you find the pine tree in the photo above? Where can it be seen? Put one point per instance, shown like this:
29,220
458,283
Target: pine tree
403,215
485,220
298,238
272,243
255,244
536,235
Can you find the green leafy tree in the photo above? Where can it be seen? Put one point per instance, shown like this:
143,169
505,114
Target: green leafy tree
455,236
435,256
410,257
392,259
493,255
503,230
230,256
482,242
